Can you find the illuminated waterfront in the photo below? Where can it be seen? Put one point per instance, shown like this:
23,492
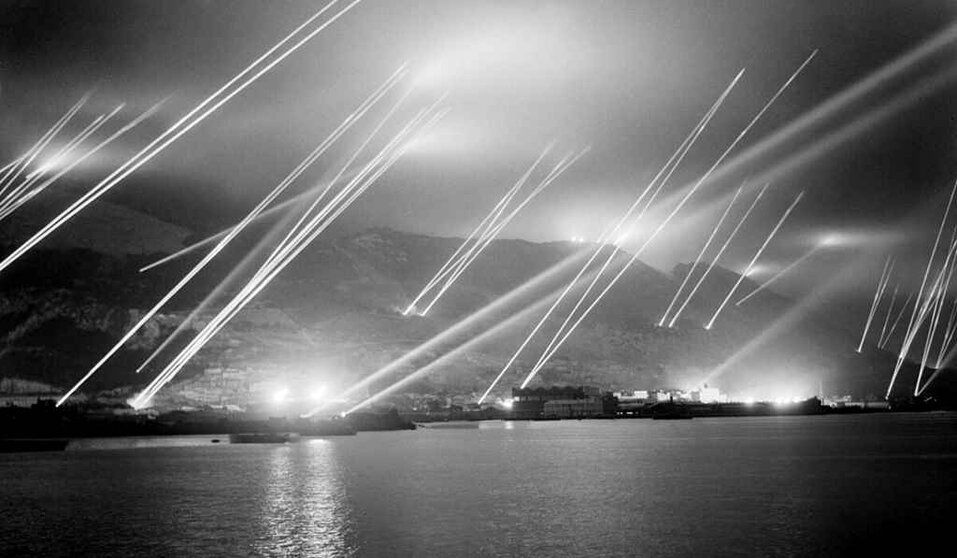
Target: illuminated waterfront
745,486
246,252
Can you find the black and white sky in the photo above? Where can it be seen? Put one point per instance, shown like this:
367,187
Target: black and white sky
627,77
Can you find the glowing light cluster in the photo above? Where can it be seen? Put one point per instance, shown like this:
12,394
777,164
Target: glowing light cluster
312,222
290,178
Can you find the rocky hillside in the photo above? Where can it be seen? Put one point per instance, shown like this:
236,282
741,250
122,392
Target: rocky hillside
334,316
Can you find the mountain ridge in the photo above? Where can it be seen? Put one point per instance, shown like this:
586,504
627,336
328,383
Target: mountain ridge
334,315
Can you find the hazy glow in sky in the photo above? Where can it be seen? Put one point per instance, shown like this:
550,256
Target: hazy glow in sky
627,77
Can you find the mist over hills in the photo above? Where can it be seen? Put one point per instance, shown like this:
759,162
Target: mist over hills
335,316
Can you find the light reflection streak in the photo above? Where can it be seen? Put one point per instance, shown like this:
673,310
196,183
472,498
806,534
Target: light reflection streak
553,175
481,231
288,180
881,287
306,509
834,105
890,333
754,260
828,143
714,260
289,250
177,130
515,319
469,323
887,315
915,322
807,255
697,260
947,271
242,267
663,175
561,336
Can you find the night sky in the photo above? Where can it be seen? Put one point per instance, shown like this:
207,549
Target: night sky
628,78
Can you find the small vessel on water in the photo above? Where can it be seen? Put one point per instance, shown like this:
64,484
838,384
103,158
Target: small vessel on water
262,438
449,425
13,445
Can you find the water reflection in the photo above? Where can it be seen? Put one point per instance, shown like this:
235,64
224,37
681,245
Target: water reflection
306,510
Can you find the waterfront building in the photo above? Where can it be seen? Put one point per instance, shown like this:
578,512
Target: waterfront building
569,402
573,408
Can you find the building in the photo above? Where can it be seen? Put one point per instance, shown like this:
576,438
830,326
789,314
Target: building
28,400
562,402
573,408
639,395
707,395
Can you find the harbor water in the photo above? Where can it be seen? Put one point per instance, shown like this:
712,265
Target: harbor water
756,486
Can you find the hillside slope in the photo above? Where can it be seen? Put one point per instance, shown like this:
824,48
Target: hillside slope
334,316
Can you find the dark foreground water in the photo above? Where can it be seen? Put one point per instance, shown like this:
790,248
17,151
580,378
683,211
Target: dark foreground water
708,487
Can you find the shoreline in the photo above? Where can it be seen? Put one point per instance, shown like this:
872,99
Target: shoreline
23,424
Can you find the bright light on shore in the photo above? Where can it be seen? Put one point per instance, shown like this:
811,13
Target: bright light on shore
137,404
755,270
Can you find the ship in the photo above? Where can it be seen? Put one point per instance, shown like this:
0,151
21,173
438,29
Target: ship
262,438
452,425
